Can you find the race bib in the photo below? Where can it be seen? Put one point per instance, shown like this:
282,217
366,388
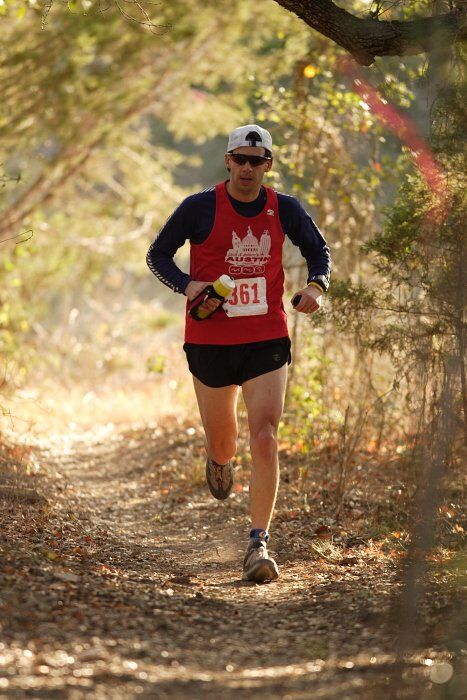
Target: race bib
248,298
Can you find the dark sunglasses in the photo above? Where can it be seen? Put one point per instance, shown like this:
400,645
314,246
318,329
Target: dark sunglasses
254,161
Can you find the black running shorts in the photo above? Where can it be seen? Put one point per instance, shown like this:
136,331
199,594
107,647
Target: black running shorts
223,365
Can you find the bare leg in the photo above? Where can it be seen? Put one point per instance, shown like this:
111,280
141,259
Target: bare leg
217,408
264,400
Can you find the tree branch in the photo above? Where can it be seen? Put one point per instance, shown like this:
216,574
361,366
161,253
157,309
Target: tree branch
366,38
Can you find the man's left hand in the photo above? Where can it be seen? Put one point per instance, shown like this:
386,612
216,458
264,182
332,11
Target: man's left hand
310,299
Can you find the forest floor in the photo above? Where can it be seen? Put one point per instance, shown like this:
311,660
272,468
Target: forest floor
120,577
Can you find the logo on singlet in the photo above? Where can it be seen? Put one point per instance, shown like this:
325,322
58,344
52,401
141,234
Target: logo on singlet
249,256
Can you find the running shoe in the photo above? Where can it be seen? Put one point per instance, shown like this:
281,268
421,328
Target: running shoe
219,478
257,565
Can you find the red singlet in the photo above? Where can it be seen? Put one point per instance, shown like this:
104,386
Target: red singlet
249,249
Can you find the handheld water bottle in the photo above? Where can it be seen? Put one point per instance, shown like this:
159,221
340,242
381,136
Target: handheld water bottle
219,289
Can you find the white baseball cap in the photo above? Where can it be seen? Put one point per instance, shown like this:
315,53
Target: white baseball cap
249,135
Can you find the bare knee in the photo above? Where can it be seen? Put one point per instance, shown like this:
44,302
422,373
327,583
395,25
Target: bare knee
264,440
222,448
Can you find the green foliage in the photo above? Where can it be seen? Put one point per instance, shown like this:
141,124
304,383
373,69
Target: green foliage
416,302
16,298
303,424
351,304
156,364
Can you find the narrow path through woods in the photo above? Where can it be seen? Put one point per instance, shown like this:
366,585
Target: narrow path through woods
127,584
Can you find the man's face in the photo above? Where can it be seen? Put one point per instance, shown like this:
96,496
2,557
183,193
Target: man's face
247,178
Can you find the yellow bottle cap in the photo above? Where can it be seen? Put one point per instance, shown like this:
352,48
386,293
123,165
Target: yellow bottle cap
224,286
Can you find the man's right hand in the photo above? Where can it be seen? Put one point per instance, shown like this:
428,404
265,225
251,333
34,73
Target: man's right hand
194,288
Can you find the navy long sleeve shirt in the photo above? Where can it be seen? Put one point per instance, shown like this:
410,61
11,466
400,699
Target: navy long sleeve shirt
194,219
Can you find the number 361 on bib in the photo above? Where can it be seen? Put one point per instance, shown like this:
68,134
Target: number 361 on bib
248,298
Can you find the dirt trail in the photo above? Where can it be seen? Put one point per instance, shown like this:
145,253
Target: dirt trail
127,585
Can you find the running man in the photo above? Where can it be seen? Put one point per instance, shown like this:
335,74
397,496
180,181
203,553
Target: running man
238,228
